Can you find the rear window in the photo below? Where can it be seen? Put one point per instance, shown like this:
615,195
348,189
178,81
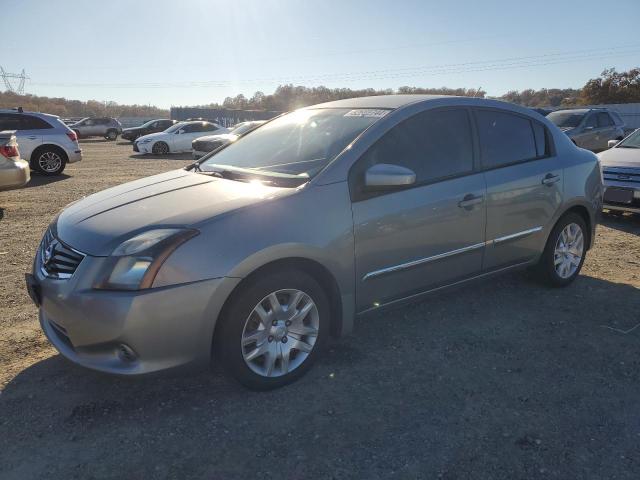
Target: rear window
505,138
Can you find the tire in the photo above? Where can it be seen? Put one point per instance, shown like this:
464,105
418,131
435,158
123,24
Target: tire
49,161
111,135
556,252
252,346
160,148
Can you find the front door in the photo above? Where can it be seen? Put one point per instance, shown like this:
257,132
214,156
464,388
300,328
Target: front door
524,186
428,234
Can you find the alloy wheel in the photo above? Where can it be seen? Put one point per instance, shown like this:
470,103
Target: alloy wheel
569,250
49,162
280,333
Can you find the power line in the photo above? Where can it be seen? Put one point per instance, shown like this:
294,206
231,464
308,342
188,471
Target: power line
507,63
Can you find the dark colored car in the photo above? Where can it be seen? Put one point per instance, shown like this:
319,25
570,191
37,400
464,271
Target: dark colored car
152,126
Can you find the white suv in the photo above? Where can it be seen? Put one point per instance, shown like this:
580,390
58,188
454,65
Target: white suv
44,140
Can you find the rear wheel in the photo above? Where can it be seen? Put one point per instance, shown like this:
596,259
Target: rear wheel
49,161
112,135
160,148
273,329
565,251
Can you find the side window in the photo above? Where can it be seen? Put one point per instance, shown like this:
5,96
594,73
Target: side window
192,127
90,122
541,135
591,121
210,127
9,121
604,120
27,122
616,118
505,138
435,144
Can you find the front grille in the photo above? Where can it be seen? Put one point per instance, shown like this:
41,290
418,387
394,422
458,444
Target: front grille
57,260
205,146
621,174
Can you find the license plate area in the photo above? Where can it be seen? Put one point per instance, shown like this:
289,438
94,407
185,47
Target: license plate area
618,195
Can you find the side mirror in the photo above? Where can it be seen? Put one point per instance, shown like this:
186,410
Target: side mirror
612,143
386,175
180,132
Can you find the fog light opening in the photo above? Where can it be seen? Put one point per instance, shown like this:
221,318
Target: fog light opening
126,353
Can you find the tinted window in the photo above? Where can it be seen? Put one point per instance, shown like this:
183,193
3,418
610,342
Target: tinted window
591,121
209,127
9,121
540,135
194,127
27,122
434,144
604,120
504,138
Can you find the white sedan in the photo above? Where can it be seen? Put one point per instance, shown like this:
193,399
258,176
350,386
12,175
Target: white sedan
176,138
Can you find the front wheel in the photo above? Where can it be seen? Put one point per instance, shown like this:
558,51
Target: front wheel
50,162
273,329
564,252
160,148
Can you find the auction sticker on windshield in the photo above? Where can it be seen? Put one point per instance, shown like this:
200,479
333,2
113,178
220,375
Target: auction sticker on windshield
366,112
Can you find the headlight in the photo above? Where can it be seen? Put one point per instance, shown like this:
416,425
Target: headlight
134,264
146,140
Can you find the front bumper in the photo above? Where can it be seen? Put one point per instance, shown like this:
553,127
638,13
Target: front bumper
125,332
622,189
142,147
197,155
14,174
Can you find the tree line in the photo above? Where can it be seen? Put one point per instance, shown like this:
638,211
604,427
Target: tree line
610,87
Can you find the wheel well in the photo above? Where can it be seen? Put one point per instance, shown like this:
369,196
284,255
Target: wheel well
55,148
584,213
311,267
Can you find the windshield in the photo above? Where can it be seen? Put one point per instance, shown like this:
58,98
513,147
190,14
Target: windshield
147,124
566,119
632,141
299,143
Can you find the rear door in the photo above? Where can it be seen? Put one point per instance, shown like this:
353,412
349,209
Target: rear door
29,131
431,233
524,185
607,130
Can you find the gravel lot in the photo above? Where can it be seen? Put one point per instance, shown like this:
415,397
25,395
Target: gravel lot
505,379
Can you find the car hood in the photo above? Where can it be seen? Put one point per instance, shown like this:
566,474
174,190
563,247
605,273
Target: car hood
620,157
131,129
152,136
225,137
100,222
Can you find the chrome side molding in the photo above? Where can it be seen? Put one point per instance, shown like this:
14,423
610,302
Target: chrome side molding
421,261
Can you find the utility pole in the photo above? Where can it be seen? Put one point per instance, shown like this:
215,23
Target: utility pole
6,76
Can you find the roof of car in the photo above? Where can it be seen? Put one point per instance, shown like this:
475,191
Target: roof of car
379,101
15,110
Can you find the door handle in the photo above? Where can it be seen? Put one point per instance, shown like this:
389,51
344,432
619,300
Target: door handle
470,200
32,137
549,179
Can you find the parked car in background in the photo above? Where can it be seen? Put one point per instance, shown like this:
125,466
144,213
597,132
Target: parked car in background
44,140
177,138
14,172
152,126
542,111
321,214
589,128
106,127
621,172
203,145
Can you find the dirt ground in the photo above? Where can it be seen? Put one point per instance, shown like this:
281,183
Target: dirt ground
505,379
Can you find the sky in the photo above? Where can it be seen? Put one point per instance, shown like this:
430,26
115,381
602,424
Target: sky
192,52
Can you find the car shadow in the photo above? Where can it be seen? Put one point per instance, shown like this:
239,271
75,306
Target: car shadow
170,156
628,222
95,140
38,180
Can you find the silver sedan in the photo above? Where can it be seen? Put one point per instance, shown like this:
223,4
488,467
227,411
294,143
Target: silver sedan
256,255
